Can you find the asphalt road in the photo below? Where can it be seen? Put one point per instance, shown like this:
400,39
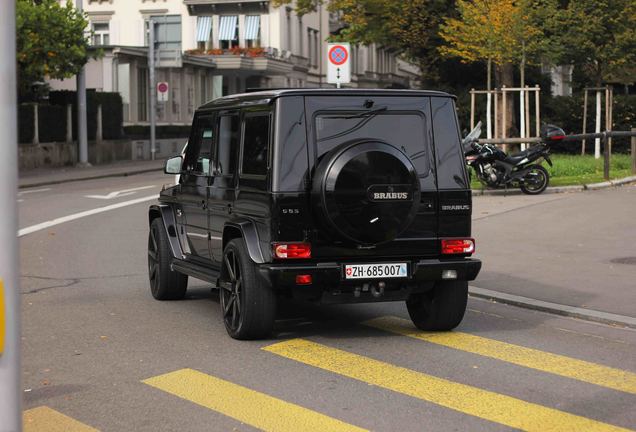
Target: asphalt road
99,352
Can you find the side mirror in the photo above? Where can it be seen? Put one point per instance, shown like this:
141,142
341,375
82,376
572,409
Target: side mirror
173,165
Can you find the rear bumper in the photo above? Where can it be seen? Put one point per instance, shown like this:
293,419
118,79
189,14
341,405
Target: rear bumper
329,285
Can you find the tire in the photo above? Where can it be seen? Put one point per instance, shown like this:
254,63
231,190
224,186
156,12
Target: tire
442,308
247,305
165,284
539,184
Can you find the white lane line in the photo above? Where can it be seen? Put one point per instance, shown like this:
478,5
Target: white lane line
63,219
121,193
33,191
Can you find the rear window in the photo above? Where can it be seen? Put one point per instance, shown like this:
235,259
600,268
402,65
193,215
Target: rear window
404,130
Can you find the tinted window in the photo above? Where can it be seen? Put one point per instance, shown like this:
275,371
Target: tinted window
405,131
450,158
200,145
255,145
228,143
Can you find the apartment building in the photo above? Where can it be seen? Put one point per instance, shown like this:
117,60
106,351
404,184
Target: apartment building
209,48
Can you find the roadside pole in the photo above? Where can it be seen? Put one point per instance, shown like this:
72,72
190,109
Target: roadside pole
634,152
151,87
82,135
10,394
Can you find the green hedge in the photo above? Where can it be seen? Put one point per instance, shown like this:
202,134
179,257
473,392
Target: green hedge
52,123
161,132
112,111
567,112
25,123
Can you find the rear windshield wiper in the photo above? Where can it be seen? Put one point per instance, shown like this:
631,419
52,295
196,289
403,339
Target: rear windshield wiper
366,113
366,116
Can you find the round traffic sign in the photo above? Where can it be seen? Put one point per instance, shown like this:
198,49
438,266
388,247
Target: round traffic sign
162,87
338,55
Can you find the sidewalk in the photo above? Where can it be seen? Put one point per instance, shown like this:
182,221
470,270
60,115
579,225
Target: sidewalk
48,176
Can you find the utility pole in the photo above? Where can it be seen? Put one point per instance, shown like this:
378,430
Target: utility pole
151,87
82,135
10,373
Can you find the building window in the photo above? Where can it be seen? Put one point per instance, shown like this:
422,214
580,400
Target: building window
289,30
310,46
204,32
301,37
101,33
228,31
142,94
253,31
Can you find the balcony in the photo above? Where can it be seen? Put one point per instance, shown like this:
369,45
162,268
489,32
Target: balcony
266,60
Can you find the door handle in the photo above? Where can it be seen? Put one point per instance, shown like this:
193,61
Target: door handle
204,205
229,208
179,213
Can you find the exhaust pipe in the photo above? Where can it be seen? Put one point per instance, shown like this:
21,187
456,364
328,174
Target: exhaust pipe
379,290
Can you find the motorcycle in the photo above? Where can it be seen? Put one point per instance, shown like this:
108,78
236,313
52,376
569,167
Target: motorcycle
495,169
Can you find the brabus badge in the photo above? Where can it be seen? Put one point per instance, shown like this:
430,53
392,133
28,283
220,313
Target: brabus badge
390,193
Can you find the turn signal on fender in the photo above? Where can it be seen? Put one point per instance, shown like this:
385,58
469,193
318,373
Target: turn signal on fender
292,250
458,246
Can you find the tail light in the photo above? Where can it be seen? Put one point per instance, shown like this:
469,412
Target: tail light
292,250
458,246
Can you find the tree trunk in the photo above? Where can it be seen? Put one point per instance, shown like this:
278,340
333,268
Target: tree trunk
504,77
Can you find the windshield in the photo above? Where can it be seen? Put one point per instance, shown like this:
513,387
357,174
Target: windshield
406,131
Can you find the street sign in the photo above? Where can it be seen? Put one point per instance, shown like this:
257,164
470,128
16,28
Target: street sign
338,63
162,91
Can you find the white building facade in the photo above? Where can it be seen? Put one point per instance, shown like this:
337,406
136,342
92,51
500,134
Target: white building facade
210,48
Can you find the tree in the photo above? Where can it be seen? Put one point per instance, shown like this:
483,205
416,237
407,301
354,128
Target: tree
51,42
481,32
410,28
599,36
503,32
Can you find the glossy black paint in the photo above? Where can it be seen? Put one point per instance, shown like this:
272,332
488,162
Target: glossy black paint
401,163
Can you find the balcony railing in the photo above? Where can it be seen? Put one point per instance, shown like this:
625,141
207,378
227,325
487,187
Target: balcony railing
269,53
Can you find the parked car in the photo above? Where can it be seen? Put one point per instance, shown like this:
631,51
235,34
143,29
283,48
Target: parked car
330,196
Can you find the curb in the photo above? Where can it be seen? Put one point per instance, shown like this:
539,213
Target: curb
554,308
560,189
89,177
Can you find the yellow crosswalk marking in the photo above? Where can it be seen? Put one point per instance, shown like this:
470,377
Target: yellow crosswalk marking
45,419
481,403
531,358
248,406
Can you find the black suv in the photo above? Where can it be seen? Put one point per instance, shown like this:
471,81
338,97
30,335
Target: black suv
332,196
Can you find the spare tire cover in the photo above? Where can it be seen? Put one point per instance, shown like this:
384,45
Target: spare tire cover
366,192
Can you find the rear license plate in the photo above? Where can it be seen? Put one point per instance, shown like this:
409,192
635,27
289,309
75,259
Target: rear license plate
375,271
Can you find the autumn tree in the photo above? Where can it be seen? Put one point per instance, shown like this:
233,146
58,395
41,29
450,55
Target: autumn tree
500,32
51,42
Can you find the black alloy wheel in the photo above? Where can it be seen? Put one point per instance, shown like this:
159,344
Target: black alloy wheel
230,292
248,305
165,284
535,181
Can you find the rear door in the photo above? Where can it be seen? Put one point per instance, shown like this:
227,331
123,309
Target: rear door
403,122
195,185
222,190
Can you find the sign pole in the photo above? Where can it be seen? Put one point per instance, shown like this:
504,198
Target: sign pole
82,134
10,373
151,87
